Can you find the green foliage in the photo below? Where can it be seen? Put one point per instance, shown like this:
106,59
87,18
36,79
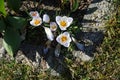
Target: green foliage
13,71
74,5
14,4
10,26
117,2
11,36
11,40
16,22
2,25
10,70
2,8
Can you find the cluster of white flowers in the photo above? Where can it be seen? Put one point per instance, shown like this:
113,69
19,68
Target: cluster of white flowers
64,38
63,23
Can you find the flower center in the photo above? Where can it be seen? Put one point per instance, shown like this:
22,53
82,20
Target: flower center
63,38
63,23
36,22
53,27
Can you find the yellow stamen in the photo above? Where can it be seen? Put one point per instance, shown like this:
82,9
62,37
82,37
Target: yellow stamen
63,38
63,23
36,22
53,27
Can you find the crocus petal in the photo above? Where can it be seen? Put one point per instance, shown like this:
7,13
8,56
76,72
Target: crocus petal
49,34
31,22
53,26
36,21
58,39
58,18
63,29
46,18
64,22
67,44
66,33
64,18
69,40
64,39
70,20
34,14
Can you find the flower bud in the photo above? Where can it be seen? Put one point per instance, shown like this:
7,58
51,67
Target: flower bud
46,18
49,33
34,14
53,26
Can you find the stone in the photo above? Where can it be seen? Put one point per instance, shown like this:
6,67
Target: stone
2,52
54,73
93,28
81,55
96,13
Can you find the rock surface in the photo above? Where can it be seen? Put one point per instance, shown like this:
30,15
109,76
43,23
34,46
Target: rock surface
97,13
93,27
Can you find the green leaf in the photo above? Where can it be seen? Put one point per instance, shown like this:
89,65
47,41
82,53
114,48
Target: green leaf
16,22
2,25
11,41
2,8
14,4
75,5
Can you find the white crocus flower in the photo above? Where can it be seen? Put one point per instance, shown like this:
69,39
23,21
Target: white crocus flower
36,21
34,14
64,39
53,26
64,22
49,33
46,18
